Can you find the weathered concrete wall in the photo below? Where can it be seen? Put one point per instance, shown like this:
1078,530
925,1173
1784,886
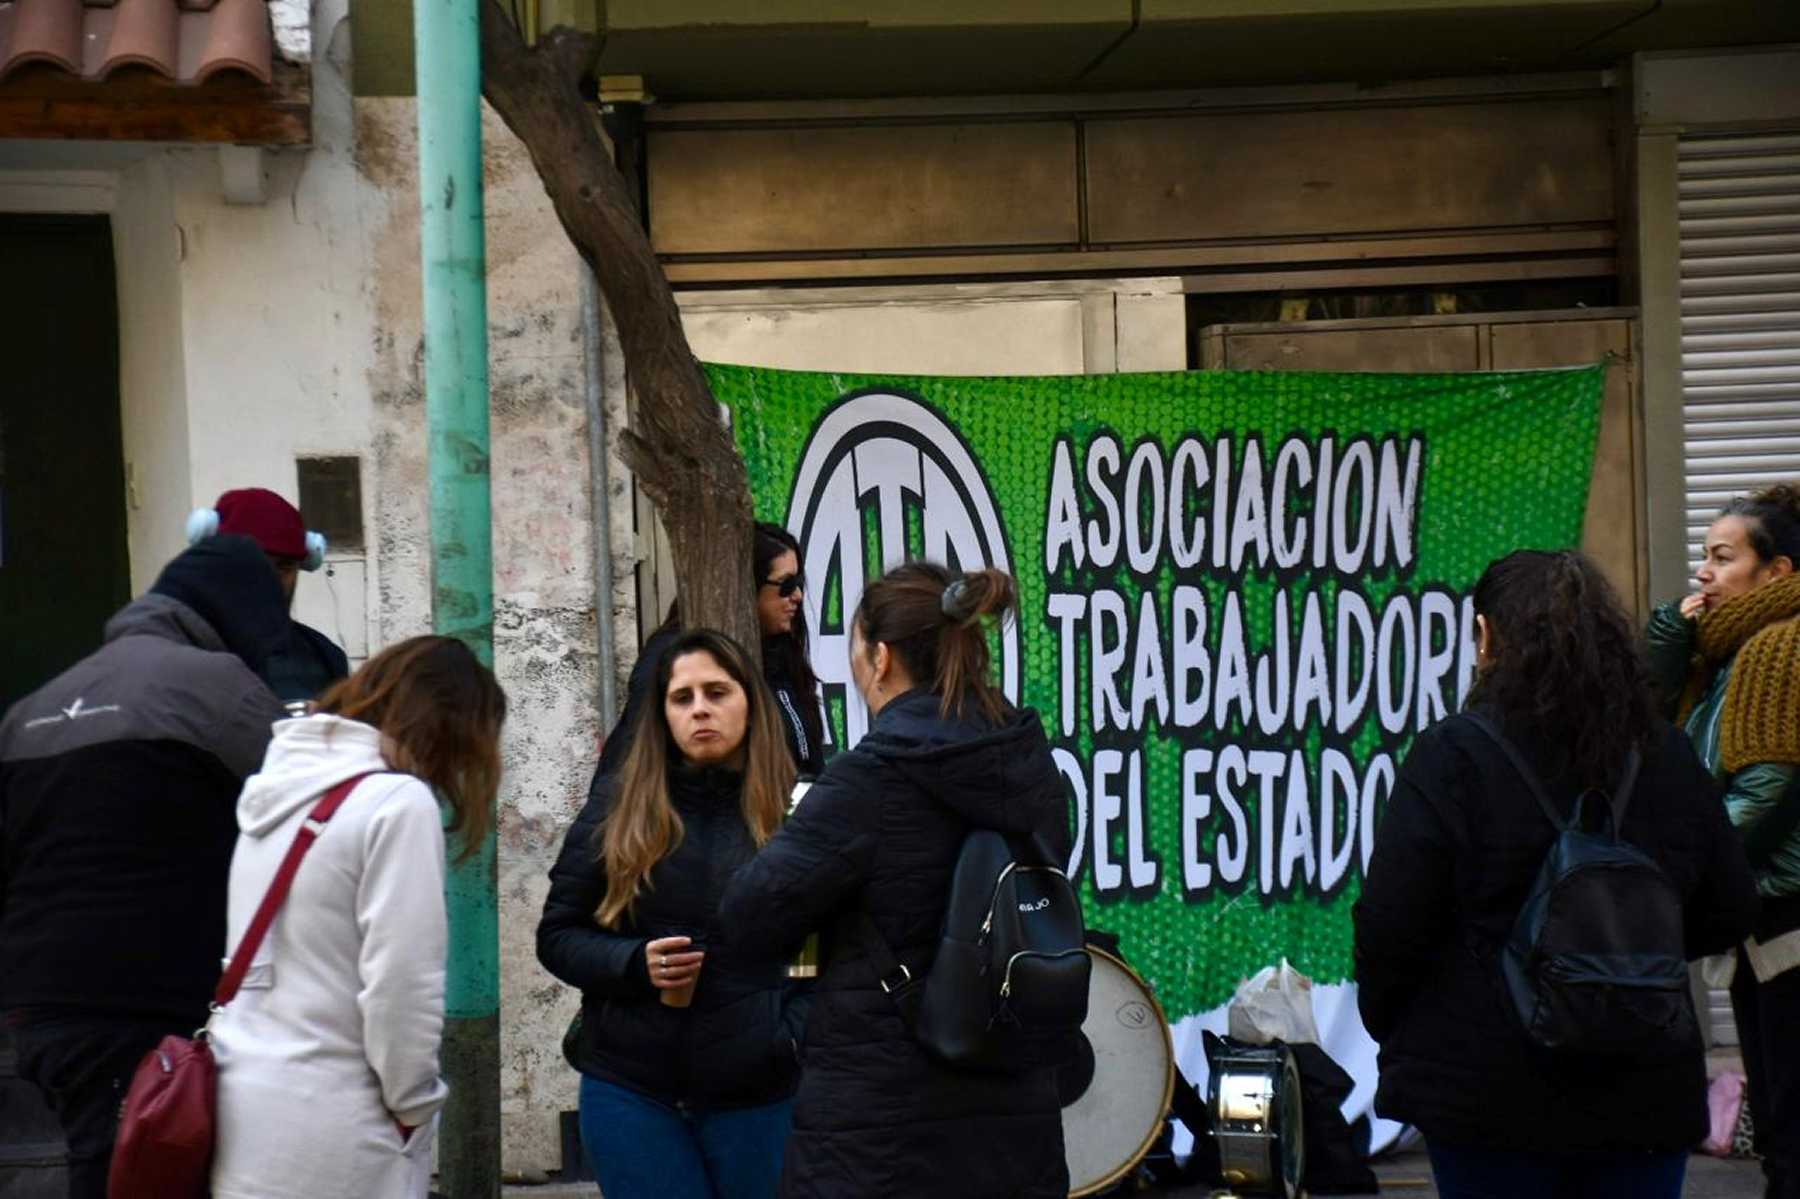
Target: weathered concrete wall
276,309
242,329
545,627
152,368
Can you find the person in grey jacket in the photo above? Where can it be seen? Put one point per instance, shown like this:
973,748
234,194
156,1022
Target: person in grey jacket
118,785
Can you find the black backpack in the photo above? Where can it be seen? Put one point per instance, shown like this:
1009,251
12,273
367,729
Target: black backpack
1596,960
1008,987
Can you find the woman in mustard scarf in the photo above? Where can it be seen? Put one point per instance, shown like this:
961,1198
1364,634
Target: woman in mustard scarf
1727,660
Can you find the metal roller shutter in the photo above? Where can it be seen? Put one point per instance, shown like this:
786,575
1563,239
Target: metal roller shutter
1740,317
1739,201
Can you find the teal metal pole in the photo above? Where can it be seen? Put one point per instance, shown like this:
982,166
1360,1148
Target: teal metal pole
454,259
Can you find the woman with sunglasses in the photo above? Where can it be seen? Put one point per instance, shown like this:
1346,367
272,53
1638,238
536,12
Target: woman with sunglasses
780,588
786,668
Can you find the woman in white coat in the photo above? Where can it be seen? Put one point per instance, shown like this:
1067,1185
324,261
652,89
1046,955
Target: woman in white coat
328,1057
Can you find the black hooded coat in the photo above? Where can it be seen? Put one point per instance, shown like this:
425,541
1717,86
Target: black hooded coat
1459,849
119,781
875,840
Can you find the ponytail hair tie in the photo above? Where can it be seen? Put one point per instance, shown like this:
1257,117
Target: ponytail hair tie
952,601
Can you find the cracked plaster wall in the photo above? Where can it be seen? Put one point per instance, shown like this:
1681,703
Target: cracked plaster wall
276,302
545,636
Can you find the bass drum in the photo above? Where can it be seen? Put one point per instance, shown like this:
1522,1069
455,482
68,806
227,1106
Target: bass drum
1116,1095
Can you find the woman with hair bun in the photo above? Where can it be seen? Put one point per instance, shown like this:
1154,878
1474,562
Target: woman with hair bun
1561,679
1726,660
869,854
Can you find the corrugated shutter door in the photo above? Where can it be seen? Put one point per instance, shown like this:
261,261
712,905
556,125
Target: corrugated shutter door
1740,317
1740,338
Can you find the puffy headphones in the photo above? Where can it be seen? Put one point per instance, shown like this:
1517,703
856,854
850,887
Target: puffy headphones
204,522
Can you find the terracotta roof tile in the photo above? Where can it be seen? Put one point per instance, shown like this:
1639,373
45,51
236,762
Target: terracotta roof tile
188,41
43,31
237,38
144,34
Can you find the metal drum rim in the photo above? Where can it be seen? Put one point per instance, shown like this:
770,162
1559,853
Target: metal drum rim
1168,1095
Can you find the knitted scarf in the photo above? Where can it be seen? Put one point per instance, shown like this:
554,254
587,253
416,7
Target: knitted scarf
1761,718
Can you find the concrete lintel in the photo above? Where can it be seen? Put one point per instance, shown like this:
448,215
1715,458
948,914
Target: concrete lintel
242,179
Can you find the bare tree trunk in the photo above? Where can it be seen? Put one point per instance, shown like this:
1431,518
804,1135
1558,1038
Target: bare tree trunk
678,447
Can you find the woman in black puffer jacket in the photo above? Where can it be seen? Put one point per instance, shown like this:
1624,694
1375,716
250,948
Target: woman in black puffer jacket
873,844
1459,850
687,1045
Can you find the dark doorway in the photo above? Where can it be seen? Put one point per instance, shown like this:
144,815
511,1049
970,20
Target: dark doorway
64,566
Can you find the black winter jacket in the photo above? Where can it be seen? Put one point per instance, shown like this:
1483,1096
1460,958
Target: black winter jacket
800,720
118,794
304,664
876,838
1459,846
737,1044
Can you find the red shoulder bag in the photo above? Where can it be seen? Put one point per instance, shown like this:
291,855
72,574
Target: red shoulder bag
164,1148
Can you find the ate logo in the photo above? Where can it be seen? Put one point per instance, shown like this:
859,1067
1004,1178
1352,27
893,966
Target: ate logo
877,465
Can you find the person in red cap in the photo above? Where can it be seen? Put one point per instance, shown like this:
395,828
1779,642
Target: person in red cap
306,662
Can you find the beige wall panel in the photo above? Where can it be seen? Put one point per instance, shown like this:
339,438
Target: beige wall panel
1152,333
1697,88
1435,348
1009,337
872,188
1613,532
1355,170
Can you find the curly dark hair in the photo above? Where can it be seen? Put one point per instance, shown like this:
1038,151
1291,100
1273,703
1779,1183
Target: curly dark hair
1567,671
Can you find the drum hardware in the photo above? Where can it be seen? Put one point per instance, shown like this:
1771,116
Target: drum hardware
1253,1095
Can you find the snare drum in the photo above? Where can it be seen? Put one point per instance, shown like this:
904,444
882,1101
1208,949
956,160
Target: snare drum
1114,1100
1254,1097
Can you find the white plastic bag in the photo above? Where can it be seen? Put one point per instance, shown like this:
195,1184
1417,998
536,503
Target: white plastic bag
1274,1004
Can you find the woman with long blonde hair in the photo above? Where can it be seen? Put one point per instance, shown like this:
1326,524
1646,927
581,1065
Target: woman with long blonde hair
328,1056
687,1048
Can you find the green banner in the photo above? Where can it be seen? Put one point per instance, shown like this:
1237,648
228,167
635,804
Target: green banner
1241,595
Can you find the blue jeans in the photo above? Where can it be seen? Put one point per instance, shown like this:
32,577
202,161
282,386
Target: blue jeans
1465,1173
641,1148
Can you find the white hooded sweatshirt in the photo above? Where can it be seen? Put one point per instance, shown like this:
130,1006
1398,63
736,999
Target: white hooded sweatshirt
334,1035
